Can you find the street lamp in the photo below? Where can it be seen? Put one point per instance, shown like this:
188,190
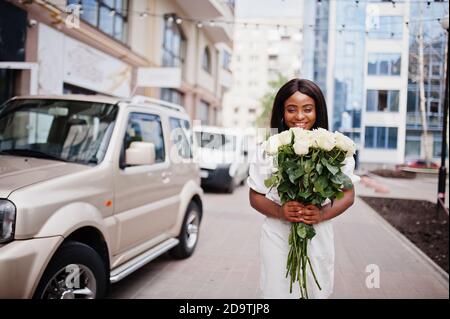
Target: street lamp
442,169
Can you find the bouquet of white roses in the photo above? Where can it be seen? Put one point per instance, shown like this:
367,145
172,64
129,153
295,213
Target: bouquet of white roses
308,170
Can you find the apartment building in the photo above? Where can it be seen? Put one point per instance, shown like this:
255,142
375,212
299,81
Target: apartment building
264,49
168,49
362,60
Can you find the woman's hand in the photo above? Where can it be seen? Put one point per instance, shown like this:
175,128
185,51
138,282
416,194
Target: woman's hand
296,212
291,211
311,214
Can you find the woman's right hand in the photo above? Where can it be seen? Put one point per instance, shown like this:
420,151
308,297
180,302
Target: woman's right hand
291,211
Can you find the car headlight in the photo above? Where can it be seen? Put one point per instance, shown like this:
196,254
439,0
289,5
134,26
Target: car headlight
7,220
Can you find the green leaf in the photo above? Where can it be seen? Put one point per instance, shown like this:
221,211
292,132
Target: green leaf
333,169
310,231
340,195
319,168
284,186
347,182
309,166
301,231
271,181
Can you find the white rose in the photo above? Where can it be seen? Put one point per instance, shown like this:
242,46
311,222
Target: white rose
301,135
345,143
324,139
301,147
285,137
272,144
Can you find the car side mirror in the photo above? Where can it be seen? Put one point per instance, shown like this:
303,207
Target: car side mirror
140,153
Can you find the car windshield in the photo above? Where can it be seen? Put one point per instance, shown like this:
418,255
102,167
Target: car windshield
64,130
224,142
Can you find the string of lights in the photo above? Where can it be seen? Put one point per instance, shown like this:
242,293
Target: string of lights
173,18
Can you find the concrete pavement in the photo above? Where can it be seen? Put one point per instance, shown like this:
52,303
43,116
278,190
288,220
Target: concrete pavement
226,262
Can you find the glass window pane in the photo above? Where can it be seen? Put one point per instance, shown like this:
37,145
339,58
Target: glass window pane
118,27
412,149
146,128
382,100
392,139
110,3
393,101
384,66
380,137
369,137
395,66
90,11
372,100
412,101
106,20
372,64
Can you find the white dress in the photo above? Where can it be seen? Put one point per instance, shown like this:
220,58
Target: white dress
274,246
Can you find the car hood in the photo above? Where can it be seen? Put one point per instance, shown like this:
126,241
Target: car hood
17,172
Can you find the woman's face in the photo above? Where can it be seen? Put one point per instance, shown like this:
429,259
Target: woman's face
300,111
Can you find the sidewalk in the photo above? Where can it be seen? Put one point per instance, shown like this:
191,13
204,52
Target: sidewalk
226,262
364,238
424,188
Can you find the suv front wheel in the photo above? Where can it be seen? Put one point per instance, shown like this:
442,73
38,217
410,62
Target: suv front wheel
189,233
75,272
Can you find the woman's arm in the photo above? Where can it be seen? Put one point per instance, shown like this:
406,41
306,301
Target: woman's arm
312,214
289,211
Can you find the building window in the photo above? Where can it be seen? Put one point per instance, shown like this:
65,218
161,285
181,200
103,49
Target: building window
203,112
382,100
386,27
226,60
381,137
172,95
206,60
110,16
384,64
174,43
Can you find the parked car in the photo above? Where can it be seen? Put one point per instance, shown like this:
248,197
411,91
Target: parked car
421,164
90,191
222,156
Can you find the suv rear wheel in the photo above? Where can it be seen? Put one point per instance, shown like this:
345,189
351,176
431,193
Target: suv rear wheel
189,233
75,272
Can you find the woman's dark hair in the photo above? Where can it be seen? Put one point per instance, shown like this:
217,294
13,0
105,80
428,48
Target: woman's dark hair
306,87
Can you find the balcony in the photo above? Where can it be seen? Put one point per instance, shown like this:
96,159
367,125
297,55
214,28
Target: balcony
414,120
211,10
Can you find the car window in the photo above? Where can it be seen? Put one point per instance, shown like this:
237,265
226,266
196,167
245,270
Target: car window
146,128
180,137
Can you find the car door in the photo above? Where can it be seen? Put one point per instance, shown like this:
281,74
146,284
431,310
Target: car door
145,197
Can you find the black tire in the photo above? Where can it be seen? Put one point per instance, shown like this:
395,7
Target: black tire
184,249
231,186
74,253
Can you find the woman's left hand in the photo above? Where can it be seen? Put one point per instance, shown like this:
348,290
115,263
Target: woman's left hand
311,214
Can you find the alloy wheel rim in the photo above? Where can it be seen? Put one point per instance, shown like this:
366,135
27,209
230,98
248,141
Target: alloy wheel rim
74,281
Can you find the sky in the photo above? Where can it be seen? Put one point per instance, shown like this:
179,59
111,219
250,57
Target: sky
268,8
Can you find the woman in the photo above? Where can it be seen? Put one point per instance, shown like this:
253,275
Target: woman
298,103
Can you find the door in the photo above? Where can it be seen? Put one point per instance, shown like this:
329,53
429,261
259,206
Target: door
146,199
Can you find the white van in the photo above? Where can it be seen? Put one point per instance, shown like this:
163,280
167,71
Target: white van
222,156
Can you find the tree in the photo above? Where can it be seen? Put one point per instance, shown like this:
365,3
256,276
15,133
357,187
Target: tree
267,99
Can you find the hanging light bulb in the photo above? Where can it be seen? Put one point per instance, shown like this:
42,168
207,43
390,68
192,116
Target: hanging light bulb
212,23
199,25
170,20
112,13
144,14
178,21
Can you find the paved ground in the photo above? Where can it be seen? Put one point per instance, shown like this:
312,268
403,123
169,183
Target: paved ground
226,262
424,188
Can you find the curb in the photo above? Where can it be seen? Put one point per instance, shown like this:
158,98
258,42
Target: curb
408,244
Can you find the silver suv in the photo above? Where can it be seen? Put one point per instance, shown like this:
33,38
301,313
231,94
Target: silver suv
91,189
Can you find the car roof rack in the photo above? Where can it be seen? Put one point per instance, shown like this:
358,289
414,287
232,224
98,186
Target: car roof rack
146,99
